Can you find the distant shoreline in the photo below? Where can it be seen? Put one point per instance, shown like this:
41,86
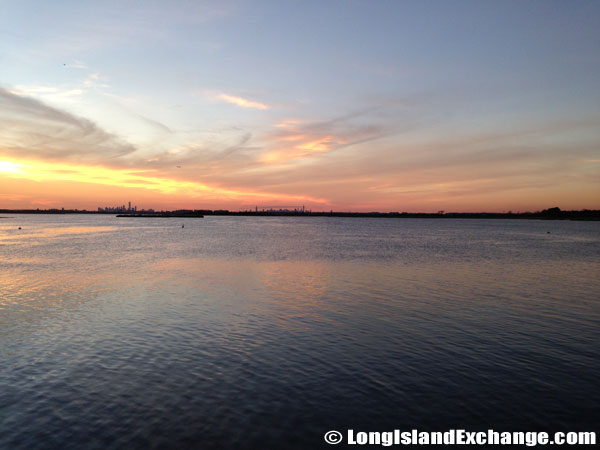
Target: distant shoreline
547,214
164,214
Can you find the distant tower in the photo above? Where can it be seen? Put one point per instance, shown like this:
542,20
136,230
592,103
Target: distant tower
129,209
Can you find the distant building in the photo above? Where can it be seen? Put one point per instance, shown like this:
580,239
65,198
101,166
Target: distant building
118,209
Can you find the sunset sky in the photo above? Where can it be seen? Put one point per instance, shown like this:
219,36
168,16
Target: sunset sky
343,105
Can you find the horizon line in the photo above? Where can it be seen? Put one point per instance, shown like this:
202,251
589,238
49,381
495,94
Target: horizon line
554,209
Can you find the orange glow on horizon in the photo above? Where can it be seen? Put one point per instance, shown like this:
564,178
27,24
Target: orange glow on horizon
149,180
9,167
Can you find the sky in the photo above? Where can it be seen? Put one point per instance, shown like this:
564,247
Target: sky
344,105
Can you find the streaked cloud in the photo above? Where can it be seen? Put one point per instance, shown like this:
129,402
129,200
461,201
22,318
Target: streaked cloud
300,146
241,102
45,144
53,94
294,139
288,123
63,94
35,129
76,64
95,80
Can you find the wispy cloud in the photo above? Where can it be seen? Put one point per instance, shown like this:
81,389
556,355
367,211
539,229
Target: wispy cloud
121,103
46,144
241,102
300,146
51,94
378,158
76,64
95,81
63,94
294,139
38,130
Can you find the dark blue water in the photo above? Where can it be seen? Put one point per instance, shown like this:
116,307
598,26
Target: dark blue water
267,332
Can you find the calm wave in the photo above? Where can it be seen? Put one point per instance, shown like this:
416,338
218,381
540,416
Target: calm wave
267,332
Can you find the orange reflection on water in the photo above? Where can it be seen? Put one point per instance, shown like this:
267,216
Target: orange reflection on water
11,235
36,290
73,230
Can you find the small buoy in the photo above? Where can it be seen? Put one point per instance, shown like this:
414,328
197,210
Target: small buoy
19,228
547,232
182,226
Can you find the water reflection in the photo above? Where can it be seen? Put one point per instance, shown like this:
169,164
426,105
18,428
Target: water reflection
144,334
10,235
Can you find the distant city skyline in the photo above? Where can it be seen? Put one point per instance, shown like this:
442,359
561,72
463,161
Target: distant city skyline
344,105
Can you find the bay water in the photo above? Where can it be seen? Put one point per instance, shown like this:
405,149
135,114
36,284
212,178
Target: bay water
267,332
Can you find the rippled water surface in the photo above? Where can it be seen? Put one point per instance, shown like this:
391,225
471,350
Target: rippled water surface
244,332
